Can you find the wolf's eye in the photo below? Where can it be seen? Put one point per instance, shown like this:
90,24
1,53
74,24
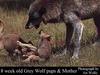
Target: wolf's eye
35,15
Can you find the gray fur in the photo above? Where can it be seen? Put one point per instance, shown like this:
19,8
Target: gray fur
71,12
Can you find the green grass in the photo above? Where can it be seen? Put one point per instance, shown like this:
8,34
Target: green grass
15,22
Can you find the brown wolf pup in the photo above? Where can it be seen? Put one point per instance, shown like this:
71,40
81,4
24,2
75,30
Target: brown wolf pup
9,41
43,51
44,47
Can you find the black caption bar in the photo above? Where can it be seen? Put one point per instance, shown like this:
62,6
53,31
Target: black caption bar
51,70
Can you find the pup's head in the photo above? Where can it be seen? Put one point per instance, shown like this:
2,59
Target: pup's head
44,35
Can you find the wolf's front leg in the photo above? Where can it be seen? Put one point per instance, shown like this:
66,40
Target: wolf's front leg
77,27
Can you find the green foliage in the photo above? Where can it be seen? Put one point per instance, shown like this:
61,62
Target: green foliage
15,22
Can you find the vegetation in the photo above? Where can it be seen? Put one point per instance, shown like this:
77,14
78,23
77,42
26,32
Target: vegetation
15,21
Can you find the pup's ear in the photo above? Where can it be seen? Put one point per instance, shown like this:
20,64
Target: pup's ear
44,35
41,31
48,37
30,43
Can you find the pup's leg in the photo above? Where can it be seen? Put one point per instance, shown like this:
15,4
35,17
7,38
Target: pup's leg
26,45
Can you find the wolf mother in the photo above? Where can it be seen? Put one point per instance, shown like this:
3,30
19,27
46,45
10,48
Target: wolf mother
71,12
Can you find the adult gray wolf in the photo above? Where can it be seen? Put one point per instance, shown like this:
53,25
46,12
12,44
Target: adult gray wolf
70,12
